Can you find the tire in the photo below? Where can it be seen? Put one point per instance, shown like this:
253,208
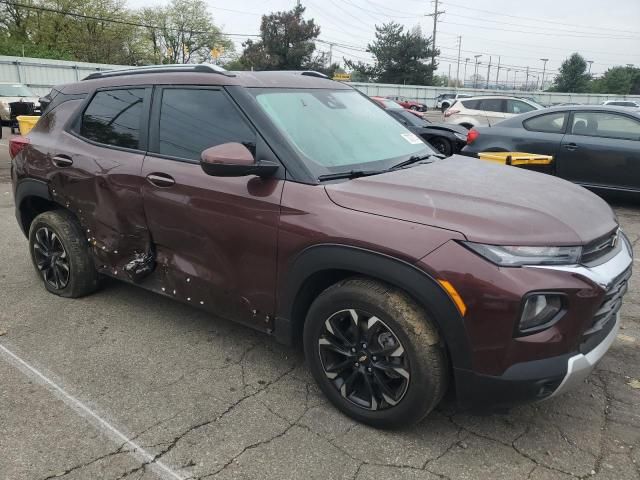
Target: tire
413,107
61,256
404,353
442,145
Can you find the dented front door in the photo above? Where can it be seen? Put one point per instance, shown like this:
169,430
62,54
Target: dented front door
215,238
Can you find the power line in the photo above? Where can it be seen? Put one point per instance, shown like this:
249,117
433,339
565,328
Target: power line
115,20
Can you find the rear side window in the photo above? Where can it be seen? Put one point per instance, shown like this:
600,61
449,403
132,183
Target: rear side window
114,117
549,123
518,106
471,104
491,105
192,120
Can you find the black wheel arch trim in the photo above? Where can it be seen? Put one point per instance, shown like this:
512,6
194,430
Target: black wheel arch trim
417,283
30,187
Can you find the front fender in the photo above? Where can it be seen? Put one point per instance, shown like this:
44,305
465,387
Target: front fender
359,261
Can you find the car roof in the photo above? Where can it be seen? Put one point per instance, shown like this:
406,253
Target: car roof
161,75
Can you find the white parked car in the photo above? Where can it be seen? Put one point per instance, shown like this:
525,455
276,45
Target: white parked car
622,103
445,100
489,110
14,92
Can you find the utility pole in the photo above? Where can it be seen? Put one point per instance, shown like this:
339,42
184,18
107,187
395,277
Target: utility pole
515,73
526,82
589,62
435,16
475,73
498,72
544,70
458,67
449,77
506,82
330,50
488,72
464,79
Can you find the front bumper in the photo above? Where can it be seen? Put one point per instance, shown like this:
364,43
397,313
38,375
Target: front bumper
532,380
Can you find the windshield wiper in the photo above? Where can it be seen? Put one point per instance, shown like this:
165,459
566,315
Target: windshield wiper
414,159
349,174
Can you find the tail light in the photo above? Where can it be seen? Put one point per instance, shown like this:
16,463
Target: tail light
472,135
17,144
450,112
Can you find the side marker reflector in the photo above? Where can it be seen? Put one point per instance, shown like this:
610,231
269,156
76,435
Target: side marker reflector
455,296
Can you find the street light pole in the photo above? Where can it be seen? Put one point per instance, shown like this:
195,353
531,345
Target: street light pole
544,69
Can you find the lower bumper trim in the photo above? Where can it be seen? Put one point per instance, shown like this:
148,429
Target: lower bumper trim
580,366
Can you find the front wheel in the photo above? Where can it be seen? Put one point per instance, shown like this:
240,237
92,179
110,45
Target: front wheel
442,145
375,353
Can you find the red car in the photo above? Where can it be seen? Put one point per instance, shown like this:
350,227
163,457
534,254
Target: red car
295,205
408,104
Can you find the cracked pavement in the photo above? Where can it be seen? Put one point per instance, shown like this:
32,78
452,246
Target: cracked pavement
211,399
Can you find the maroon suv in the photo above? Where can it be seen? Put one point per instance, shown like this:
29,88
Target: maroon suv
295,205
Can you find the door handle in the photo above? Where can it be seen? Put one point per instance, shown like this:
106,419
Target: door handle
160,179
572,147
62,161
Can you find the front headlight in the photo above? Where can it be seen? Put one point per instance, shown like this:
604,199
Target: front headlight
516,256
461,136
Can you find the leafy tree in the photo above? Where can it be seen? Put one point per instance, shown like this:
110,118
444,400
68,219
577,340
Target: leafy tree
286,42
573,76
400,57
185,32
618,80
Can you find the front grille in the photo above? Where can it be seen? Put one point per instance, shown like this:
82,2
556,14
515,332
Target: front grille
604,319
600,247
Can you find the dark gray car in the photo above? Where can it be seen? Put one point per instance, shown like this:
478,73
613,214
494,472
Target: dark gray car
595,146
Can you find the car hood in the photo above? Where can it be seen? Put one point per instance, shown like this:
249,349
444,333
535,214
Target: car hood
35,100
448,127
488,203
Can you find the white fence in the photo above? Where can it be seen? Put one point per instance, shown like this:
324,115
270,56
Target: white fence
42,74
428,95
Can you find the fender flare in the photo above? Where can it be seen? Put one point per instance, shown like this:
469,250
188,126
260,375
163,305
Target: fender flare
421,286
30,187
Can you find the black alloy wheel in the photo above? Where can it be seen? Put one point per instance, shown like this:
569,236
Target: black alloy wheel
442,145
51,258
364,359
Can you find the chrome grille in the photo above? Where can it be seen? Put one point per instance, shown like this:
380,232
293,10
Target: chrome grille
611,303
600,246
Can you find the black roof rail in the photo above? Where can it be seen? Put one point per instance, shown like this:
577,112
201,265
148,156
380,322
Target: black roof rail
306,73
198,68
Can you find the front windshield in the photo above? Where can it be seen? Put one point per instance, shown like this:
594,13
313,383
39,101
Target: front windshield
339,130
15,90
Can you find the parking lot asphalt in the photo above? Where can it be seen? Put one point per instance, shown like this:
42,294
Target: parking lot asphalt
127,384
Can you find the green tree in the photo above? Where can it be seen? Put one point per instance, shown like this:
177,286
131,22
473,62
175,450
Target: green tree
286,42
183,32
618,80
573,76
400,57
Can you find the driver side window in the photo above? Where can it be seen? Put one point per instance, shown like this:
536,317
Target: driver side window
194,119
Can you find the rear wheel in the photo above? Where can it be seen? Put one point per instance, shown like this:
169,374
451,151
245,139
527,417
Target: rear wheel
60,254
442,145
375,353
413,107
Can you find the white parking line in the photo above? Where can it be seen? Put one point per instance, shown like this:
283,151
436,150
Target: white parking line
136,450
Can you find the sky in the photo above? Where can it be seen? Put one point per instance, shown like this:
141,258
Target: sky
517,33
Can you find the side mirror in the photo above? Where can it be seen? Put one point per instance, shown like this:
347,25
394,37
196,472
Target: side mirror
234,160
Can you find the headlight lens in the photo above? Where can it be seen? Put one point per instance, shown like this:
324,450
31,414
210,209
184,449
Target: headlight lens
539,311
460,136
516,256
